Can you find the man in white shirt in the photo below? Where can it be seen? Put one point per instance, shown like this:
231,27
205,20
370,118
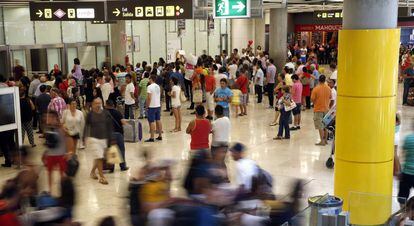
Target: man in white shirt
220,129
331,84
246,169
129,97
154,108
232,69
259,79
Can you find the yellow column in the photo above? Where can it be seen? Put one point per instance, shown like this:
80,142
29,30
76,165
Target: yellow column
365,120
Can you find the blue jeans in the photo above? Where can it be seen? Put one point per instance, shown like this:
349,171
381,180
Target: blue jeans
226,112
407,84
284,123
119,139
142,101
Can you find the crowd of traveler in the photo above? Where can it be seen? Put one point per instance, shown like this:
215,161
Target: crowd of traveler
88,108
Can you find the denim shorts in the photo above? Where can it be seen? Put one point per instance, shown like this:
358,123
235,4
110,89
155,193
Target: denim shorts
297,109
154,114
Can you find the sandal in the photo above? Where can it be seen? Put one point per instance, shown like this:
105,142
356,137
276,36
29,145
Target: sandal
93,176
274,124
102,180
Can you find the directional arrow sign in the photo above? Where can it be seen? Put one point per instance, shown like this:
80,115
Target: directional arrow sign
231,8
39,13
116,12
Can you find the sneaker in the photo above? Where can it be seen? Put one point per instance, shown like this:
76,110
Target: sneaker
140,117
159,138
293,128
8,165
33,145
149,140
125,168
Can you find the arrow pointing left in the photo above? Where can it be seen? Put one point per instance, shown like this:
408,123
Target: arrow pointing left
116,12
39,13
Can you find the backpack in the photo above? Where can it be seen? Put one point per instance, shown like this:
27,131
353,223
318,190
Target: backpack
263,185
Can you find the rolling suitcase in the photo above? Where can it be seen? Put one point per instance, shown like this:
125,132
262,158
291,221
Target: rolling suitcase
133,131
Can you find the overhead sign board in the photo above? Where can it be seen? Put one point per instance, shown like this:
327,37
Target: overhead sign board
328,15
66,11
149,10
231,8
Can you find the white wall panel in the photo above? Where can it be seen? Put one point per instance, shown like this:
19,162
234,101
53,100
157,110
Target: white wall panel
72,53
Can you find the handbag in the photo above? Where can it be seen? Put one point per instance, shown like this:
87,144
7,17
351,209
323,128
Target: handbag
291,106
198,96
72,166
112,155
183,98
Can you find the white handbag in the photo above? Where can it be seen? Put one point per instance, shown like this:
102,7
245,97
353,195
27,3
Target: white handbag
291,107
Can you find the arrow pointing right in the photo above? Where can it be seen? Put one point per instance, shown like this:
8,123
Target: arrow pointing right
39,13
240,6
116,12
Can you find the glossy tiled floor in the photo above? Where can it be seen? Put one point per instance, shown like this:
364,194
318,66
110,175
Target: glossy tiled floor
286,160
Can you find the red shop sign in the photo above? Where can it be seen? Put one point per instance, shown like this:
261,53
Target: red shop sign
318,27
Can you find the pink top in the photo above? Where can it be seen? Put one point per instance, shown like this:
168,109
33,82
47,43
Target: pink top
297,92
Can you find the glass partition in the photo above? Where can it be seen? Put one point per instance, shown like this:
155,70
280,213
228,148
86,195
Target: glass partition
54,56
19,55
18,27
97,32
72,53
1,27
73,31
158,48
48,32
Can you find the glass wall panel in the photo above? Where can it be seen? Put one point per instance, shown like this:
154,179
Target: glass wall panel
19,28
214,39
73,31
141,41
72,53
1,27
47,32
188,37
201,37
19,55
97,32
87,57
173,41
157,33
101,55
53,57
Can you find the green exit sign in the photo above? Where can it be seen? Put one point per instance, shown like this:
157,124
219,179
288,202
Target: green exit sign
231,8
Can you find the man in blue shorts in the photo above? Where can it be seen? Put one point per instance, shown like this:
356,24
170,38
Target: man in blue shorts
154,108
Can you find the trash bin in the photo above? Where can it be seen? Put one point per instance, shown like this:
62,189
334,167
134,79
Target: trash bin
323,204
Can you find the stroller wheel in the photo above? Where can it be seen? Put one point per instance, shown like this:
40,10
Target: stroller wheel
330,163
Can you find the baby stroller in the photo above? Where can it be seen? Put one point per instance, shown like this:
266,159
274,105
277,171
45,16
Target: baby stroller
329,122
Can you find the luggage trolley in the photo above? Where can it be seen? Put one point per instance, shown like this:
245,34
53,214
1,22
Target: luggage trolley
329,123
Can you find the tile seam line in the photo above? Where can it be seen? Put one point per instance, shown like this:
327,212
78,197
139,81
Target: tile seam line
366,97
349,161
